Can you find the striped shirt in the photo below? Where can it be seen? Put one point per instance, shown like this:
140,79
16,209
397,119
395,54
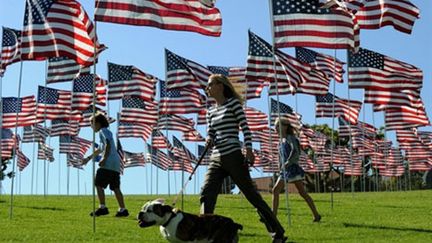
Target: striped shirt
223,127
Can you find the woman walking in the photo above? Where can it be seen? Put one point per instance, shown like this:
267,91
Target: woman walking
224,120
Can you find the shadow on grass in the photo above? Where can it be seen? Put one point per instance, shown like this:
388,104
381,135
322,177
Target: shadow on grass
386,228
45,208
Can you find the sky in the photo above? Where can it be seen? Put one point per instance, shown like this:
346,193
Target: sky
144,47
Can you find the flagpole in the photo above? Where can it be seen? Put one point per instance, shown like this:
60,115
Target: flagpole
1,125
93,132
349,126
375,172
316,176
332,131
166,127
59,173
15,145
78,181
68,180
278,109
364,147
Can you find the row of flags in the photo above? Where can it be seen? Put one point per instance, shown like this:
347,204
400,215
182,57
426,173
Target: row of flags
308,73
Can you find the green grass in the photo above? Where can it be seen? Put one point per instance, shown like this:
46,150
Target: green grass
364,217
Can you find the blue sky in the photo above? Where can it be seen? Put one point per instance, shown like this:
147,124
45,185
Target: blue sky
144,47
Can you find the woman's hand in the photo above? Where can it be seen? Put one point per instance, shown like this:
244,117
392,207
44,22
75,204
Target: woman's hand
209,143
85,160
250,156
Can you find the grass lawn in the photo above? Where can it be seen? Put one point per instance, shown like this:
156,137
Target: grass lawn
364,217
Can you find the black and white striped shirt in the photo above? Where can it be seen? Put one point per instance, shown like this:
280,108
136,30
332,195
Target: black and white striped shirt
223,127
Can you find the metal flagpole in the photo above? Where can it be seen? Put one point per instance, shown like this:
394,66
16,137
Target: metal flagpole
94,133
1,127
78,181
332,132
59,173
349,126
15,145
68,180
278,109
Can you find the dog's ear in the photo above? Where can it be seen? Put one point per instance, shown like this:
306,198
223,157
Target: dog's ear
157,209
166,209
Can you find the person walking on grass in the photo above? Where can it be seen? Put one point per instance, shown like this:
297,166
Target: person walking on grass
109,167
224,120
289,151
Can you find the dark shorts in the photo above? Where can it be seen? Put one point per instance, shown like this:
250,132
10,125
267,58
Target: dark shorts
293,173
106,177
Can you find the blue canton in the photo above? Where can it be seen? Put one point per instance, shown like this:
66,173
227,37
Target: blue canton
119,72
38,10
366,58
47,95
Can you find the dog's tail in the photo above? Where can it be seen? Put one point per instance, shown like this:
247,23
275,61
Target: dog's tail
238,226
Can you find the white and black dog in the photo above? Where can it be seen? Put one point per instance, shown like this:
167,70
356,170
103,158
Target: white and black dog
177,226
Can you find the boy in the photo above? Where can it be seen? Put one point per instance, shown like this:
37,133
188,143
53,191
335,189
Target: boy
109,167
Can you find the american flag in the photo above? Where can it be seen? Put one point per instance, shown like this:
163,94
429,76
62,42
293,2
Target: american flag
372,70
11,47
237,76
88,113
8,141
159,158
58,29
64,127
405,117
184,73
179,100
304,23
22,160
180,15
137,110
359,129
175,122
285,111
351,5
121,155
74,160
64,69
160,141
181,151
133,159
82,91
192,136
19,112
206,159
35,133
126,80
331,66
74,145
290,73
45,152
389,98
137,130
53,104
256,119
401,14
348,109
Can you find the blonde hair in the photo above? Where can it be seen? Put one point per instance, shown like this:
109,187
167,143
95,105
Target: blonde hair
228,84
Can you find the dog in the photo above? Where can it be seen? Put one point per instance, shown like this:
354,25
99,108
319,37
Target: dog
178,226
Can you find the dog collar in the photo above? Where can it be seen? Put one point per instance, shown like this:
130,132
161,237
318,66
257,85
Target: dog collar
173,214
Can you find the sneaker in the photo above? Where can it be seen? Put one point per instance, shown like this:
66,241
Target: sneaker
100,211
123,213
279,238
282,239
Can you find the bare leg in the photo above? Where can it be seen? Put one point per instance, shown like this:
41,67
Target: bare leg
277,188
101,194
300,188
119,197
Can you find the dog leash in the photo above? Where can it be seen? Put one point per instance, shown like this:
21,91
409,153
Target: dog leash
193,172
